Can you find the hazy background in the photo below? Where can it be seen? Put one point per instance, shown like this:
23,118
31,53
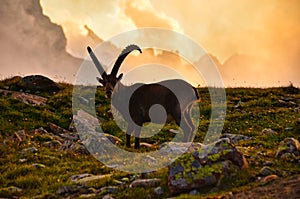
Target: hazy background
253,42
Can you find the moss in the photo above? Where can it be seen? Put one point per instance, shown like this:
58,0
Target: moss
214,157
208,171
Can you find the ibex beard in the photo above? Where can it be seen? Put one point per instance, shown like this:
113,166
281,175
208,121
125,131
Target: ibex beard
134,102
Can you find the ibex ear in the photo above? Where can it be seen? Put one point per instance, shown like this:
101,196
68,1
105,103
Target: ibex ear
120,77
100,80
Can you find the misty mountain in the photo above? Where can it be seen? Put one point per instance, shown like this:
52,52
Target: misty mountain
32,44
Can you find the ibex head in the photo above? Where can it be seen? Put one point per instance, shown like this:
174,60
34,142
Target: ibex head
110,80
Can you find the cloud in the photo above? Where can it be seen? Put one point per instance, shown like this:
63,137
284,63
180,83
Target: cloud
143,14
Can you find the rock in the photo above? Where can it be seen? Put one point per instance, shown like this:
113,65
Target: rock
10,192
288,128
57,130
288,145
205,167
38,83
76,178
90,195
26,98
84,178
113,139
109,189
22,160
269,131
107,196
193,192
265,171
52,144
125,179
74,147
268,163
268,179
67,190
238,105
38,166
145,182
235,138
179,148
29,150
72,126
158,191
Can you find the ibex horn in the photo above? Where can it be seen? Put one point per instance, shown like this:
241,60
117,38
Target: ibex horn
122,56
96,62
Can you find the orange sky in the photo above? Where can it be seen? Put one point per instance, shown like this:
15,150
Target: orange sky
266,33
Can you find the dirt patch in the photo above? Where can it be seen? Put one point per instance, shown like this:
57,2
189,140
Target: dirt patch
280,188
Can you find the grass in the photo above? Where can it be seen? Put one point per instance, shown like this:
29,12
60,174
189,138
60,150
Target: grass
260,109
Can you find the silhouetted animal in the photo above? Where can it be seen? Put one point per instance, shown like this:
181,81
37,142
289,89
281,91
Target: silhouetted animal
134,102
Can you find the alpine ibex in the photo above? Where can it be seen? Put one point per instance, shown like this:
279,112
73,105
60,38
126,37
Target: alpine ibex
134,102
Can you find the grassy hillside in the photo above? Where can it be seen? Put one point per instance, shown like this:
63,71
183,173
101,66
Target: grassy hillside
31,168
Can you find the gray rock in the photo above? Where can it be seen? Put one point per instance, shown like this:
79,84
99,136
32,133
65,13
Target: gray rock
84,178
76,178
29,150
22,160
145,182
265,171
52,144
288,145
74,147
107,196
109,189
158,191
235,138
204,167
90,195
67,190
269,131
10,192
38,166
193,192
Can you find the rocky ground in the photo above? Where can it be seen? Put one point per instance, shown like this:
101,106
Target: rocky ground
42,156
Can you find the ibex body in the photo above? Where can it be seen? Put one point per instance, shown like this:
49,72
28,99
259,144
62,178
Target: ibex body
134,102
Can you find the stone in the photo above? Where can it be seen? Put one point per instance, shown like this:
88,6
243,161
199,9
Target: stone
158,191
38,166
235,138
57,130
29,150
10,192
90,195
145,182
22,160
288,145
269,178
67,190
52,144
38,83
74,147
205,167
269,131
109,189
107,196
85,178
26,98
193,192
265,171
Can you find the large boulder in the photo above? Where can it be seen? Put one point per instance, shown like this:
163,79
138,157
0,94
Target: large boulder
288,146
37,84
205,167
